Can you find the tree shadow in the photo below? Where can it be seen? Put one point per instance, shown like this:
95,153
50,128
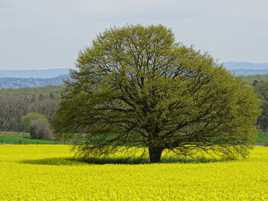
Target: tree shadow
121,160
54,161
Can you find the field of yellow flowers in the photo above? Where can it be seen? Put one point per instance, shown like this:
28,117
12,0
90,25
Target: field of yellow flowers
46,173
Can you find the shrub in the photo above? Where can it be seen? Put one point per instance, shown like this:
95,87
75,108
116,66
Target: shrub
37,125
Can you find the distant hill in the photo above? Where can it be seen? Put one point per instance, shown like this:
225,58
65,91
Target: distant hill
40,74
247,68
16,83
33,78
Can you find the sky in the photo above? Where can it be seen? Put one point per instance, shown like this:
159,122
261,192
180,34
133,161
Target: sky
38,34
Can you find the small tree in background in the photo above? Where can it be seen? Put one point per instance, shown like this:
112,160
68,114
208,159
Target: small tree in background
136,86
37,125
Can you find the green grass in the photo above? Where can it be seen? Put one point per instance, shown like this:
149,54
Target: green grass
24,138
21,138
262,138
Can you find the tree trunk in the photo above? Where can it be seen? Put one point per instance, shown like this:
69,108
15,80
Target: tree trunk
155,154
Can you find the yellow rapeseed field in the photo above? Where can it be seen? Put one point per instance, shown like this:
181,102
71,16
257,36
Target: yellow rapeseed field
44,173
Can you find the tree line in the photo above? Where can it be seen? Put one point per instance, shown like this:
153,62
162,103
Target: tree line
16,103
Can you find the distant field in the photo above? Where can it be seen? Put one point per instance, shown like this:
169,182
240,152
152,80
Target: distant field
21,138
48,173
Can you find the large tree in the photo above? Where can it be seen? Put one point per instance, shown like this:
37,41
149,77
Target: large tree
136,86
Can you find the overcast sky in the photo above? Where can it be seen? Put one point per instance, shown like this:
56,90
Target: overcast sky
50,33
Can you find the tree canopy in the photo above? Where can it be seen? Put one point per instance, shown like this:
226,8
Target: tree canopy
136,86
